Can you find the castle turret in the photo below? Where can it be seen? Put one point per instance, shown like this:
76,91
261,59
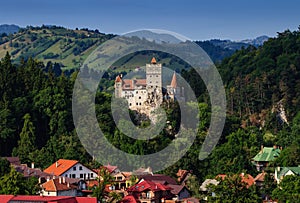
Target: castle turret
118,86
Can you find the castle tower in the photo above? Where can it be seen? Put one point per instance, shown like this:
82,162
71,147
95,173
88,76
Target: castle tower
153,75
154,82
118,87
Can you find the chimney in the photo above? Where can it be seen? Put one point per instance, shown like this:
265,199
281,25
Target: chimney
275,147
281,148
40,180
262,147
68,184
56,164
59,180
64,179
32,165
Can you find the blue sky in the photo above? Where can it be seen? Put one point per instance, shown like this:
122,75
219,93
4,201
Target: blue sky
195,19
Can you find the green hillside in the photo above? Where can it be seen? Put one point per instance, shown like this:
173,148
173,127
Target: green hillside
70,48
57,44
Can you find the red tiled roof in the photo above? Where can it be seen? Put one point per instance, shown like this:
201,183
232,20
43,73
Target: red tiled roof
110,168
129,199
148,185
127,84
60,166
246,178
42,198
142,82
5,198
159,178
13,160
54,185
176,189
30,172
86,199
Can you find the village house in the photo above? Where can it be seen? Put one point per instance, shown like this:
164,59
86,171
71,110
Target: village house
281,172
265,156
150,192
71,169
179,192
63,186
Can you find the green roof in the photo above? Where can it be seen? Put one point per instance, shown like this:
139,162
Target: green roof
284,170
267,154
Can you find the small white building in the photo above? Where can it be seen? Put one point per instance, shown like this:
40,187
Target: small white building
71,169
281,172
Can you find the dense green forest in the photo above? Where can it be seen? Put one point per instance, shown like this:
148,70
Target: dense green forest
36,121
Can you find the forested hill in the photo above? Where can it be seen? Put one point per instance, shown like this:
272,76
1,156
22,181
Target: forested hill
261,80
69,48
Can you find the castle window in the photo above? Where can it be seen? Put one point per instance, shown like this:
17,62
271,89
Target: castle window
129,104
140,97
140,104
137,104
137,92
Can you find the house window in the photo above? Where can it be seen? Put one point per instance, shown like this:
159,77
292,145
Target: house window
81,175
73,176
80,168
92,175
74,168
66,175
70,175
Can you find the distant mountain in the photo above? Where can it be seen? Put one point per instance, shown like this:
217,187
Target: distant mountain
257,41
237,45
9,29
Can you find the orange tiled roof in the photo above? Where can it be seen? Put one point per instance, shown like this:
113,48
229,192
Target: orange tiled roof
60,166
174,81
55,185
246,178
153,60
118,78
260,177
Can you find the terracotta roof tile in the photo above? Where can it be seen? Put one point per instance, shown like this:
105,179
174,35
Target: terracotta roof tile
153,60
60,166
55,185
174,81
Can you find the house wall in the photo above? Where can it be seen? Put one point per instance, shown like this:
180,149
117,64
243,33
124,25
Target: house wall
84,174
46,193
183,194
71,193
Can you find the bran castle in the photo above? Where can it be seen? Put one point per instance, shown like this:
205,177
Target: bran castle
148,93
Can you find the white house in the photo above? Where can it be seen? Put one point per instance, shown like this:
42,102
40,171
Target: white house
71,169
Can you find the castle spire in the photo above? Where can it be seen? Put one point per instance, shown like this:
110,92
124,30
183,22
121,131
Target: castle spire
153,61
174,80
